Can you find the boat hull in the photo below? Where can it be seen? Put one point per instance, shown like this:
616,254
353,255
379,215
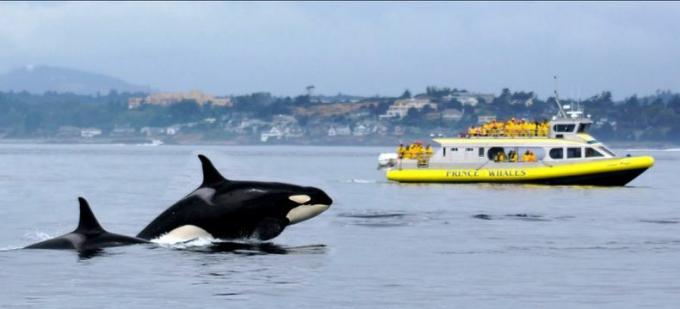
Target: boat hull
606,172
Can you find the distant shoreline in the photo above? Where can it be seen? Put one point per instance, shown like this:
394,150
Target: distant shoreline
339,143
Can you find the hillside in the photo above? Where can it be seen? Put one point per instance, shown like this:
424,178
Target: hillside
40,79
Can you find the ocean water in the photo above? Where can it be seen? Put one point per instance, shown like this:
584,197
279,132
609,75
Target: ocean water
380,244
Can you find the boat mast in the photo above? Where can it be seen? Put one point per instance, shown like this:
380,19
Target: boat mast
557,100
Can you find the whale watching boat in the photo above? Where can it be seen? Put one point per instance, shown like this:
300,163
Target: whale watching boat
556,152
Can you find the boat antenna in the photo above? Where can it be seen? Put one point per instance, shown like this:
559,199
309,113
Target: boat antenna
557,100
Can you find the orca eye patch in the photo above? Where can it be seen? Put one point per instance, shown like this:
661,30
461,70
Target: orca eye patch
300,199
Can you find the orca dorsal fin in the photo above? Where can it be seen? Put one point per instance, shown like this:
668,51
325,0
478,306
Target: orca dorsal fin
210,173
87,221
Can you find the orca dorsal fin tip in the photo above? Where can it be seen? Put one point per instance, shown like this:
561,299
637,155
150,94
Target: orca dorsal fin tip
87,221
210,173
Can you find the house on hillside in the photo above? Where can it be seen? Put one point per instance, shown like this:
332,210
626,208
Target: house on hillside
361,130
90,132
169,98
273,133
172,130
339,131
123,130
470,98
399,109
152,131
251,126
452,114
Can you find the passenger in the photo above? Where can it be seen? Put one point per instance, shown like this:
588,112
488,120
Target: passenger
511,128
500,156
428,151
529,156
500,128
417,151
483,131
544,128
525,156
412,151
513,156
401,151
535,128
486,129
527,127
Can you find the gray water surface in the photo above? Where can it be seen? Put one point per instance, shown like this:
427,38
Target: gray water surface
381,244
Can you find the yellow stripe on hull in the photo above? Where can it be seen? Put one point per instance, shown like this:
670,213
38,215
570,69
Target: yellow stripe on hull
578,172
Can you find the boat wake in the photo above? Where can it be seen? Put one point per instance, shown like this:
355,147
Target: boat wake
387,218
519,216
242,247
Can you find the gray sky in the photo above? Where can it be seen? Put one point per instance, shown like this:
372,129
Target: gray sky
358,48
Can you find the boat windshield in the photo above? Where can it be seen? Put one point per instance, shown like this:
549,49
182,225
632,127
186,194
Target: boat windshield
607,151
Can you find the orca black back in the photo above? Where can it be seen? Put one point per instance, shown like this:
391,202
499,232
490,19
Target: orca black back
89,235
228,209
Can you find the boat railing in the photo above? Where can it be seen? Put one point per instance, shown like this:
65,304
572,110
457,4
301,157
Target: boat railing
510,128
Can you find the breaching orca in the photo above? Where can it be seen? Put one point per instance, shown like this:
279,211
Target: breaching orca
229,209
89,235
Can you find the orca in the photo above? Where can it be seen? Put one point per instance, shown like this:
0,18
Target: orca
88,236
231,209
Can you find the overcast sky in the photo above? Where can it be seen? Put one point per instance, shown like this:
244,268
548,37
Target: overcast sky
357,48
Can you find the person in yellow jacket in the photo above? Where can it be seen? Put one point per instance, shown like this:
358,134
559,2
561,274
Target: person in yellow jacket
543,128
500,157
526,128
428,151
474,131
401,151
415,151
528,156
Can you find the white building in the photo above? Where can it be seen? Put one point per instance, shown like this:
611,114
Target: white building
339,131
273,133
90,132
124,130
152,131
470,98
452,114
172,130
361,130
400,107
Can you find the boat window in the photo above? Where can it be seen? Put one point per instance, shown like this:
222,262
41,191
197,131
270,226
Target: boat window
607,151
592,153
481,151
557,153
564,128
493,151
443,151
469,149
454,149
538,153
583,127
573,152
